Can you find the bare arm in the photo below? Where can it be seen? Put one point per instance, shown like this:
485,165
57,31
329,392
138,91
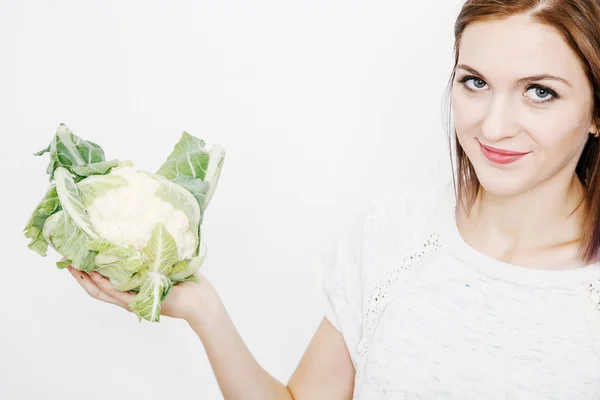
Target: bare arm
324,372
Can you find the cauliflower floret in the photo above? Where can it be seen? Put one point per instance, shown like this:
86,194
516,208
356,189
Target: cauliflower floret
189,239
127,215
178,221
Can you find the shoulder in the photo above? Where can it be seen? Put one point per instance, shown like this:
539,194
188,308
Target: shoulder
384,231
369,251
398,232
416,202
408,216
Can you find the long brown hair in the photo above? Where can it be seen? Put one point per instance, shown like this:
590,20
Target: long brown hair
578,21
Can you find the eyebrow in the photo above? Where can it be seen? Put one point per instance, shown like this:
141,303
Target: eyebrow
522,80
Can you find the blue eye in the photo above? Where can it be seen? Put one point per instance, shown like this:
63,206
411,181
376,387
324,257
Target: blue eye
477,82
544,94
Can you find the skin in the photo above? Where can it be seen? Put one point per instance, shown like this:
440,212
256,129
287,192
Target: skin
511,220
325,371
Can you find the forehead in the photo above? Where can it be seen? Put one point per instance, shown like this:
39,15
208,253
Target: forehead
516,47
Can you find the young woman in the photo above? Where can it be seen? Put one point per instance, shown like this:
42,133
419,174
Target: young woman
485,289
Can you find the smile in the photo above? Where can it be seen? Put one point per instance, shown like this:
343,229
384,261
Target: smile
500,156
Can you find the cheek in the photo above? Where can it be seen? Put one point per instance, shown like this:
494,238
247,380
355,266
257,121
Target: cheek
558,145
557,132
466,113
465,120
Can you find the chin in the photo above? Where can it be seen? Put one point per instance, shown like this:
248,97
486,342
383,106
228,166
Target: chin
502,183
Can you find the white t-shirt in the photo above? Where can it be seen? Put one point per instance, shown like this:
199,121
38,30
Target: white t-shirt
426,316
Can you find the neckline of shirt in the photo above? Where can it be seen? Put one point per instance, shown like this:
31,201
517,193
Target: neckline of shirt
502,270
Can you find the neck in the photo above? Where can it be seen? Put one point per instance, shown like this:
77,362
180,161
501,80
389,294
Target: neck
546,215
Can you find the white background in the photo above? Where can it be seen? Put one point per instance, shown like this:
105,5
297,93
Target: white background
321,106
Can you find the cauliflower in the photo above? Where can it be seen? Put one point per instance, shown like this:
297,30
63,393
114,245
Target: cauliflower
139,229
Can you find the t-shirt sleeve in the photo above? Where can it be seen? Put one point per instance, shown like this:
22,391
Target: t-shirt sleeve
341,281
371,242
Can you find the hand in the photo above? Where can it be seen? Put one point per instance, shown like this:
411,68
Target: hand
191,301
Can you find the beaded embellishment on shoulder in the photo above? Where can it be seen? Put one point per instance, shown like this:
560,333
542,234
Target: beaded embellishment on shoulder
382,292
593,291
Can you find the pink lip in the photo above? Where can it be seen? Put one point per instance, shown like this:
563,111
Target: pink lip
500,156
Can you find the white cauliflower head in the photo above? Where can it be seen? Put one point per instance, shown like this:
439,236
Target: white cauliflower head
127,213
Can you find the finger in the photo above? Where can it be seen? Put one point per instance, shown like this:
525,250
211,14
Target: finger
104,283
92,289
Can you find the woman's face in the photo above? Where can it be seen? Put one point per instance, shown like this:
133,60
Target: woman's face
499,108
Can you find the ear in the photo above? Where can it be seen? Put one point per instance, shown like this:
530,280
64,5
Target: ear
593,129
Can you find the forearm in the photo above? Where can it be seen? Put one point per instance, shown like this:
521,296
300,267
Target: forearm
238,374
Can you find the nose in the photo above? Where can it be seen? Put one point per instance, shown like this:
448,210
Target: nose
500,119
